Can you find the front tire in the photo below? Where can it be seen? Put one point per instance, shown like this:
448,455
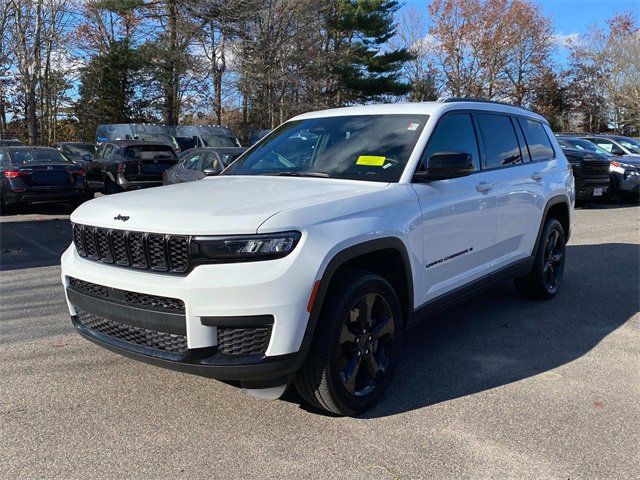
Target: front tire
547,272
355,347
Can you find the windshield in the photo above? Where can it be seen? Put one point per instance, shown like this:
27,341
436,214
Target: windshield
586,145
148,152
160,138
21,157
629,144
220,141
363,147
78,149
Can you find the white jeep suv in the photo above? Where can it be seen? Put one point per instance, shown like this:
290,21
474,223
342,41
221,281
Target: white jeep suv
309,257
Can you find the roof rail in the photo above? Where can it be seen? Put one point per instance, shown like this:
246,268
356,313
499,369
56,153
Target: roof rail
482,100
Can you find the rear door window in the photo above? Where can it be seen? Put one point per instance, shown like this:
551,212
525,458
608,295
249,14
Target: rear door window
537,140
211,160
454,134
501,146
191,163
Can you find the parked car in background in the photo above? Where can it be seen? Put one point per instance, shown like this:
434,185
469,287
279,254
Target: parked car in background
258,135
129,165
198,136
39,174
591,173
137,131
615,144
10,142
624,163
79,152
198,163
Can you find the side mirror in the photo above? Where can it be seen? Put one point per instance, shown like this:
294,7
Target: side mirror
210,172
444,165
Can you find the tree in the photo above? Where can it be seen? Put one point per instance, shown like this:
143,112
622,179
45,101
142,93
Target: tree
111,77
420,71
26,26
490,48
606,74
550,99
360,68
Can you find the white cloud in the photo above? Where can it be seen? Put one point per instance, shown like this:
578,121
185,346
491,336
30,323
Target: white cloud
565,40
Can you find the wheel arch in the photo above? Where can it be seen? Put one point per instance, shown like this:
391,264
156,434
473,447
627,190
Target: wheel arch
559,208
355,256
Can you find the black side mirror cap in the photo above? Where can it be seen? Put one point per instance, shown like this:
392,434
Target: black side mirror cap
445,165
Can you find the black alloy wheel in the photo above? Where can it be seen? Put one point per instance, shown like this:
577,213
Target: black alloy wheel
366,344
355,346
545,277
553,260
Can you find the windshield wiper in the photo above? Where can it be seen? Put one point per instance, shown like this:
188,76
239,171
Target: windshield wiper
301,174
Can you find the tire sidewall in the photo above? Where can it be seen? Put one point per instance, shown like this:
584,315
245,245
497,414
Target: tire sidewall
350,294
552,225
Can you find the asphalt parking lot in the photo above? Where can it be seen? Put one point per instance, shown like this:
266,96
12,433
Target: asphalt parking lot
498,387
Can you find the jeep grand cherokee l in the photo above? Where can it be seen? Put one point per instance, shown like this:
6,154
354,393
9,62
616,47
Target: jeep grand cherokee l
309,257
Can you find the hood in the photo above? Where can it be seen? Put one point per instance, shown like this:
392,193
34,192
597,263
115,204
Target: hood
216,205
631,159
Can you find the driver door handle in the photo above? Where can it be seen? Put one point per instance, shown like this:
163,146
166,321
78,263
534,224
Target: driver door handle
537,176
484,186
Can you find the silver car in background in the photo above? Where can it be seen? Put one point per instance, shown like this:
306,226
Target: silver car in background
197,163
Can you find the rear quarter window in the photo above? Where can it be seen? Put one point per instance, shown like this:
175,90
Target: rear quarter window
538,142
499,138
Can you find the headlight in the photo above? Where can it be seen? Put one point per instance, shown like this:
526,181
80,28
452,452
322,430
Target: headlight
243,248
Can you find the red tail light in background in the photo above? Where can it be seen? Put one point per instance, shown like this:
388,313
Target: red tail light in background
78,172
16,173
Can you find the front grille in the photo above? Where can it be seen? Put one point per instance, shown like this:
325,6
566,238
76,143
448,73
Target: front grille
89,288
595,170
143,251
154,301
140,300
243,341
167,342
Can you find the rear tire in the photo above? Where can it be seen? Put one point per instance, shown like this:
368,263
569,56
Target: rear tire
545,277
355,346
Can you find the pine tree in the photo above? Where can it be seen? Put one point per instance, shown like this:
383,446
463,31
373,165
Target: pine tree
362,69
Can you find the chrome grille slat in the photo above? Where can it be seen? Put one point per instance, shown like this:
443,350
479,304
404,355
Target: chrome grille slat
139,250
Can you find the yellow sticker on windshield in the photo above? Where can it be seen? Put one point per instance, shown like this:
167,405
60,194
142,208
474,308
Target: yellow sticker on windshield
371,160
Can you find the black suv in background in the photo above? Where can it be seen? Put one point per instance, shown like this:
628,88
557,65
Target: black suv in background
622,154
590,168
129,165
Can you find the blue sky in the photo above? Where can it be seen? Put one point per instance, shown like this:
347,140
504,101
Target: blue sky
572,16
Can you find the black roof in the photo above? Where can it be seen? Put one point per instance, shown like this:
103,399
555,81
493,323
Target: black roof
26,147
136,143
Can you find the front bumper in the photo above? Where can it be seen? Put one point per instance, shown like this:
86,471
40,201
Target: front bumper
248,371
213,296
625,181
43,195
126,184
588,192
